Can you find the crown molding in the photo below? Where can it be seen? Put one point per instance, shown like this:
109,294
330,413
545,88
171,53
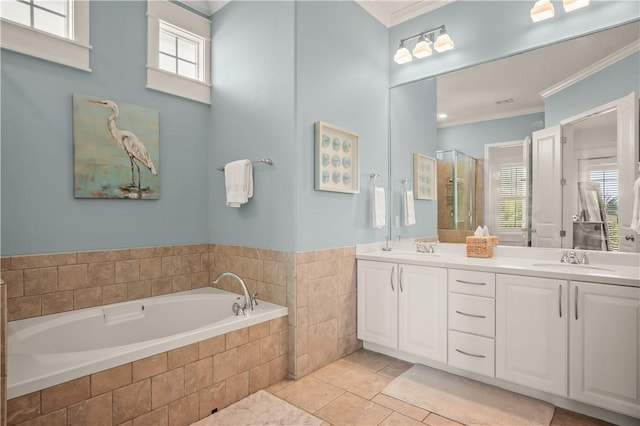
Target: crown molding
416,9
493,116
603,63
207,7
375,9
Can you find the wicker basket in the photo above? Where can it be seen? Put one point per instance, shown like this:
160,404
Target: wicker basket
481,246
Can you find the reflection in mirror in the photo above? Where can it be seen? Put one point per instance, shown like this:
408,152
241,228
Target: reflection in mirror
457,189
501,101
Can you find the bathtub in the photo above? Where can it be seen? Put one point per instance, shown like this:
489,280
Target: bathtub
53,349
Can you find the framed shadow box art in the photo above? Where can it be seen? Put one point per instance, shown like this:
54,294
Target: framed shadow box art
424,177
337,159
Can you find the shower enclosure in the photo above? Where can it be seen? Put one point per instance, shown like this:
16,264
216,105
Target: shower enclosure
457,190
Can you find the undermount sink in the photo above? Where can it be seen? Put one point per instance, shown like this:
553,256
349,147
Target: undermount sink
410,253
577,267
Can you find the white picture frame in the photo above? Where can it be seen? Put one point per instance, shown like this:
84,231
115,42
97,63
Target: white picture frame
337,159
424,177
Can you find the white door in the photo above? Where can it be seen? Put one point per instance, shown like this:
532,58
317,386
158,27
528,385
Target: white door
627,144
378,303
605,346
531,332
422,309
546,188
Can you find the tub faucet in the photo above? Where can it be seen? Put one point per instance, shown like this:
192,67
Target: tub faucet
248,299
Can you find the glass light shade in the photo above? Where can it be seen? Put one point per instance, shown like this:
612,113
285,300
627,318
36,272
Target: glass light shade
443,43
571,5
422,49
402,55
541,10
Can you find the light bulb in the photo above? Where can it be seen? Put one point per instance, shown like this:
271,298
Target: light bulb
443,42
571,5
402,55
422,48
541,10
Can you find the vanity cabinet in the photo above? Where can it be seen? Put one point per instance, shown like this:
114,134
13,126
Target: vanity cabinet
471,315
531,332
403,307
605,346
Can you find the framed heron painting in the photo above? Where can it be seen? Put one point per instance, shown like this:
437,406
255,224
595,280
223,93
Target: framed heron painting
116,148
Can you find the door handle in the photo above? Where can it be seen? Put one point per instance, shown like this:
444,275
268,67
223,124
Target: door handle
560,299
630,237
576,301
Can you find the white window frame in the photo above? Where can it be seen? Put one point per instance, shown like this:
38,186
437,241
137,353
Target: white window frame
74,51
166,81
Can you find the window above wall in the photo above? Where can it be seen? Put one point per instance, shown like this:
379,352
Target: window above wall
54,30
178,51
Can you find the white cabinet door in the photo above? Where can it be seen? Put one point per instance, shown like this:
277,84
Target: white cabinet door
627,145
605,346
422,308
531,332
378,303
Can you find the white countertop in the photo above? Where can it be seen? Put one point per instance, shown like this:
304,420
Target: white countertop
606,268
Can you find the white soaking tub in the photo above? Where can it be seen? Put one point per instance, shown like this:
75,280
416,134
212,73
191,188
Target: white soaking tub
53,349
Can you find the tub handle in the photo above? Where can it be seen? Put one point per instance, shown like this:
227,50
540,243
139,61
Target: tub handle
254,299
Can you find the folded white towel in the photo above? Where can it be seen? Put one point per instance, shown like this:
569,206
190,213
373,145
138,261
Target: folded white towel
238,181
379,209
635,218
409,212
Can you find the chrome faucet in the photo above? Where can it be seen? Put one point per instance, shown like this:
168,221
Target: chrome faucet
569,256
249,300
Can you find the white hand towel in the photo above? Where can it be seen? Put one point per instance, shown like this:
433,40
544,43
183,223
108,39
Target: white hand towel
238,181
379,209
635,218
409,212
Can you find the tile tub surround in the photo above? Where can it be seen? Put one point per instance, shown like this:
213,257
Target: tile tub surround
42,284
177,387
318,287
322,309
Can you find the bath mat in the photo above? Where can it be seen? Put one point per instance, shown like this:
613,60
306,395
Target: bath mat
260,408
467,401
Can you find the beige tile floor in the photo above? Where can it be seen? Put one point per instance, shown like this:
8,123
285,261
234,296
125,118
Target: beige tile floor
348,392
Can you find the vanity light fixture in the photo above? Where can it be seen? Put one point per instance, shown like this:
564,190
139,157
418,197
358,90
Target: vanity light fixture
422,48
438,37
402,55
541,10
571,5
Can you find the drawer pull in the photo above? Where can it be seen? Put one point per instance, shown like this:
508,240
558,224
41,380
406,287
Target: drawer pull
470,315
468,354
470,282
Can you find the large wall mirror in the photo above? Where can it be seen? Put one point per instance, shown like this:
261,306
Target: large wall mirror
545,119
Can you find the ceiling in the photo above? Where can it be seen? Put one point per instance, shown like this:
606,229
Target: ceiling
513,86
389,12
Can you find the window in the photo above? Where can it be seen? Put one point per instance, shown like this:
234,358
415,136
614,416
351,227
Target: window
608,180
512,199
54,30
181,52
49,16
178,58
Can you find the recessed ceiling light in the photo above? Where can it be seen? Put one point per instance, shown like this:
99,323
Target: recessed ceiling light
443,115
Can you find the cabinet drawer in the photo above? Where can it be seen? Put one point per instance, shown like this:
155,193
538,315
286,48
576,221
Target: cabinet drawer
473,353
472,282
472,314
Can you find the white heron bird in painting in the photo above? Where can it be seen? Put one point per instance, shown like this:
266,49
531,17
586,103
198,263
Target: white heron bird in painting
127,141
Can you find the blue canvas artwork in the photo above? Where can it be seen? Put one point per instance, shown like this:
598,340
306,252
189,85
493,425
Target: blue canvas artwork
116,149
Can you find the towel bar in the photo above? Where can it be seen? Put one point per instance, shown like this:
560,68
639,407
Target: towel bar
267,161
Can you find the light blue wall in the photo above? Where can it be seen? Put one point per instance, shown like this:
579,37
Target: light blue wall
471,138
39,213
342,77
486,30
609,84
413,130
252,116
